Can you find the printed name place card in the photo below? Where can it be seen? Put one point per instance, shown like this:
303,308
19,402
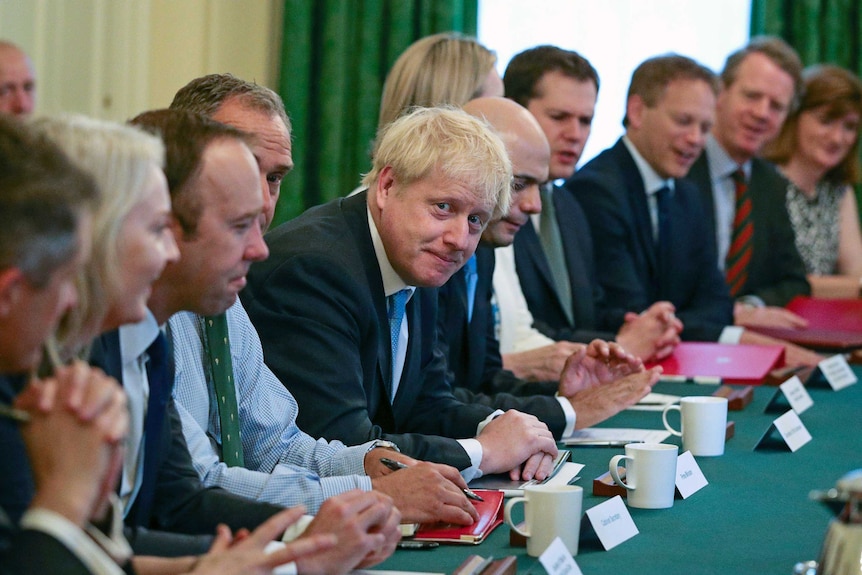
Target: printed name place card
558,561
612,522
689,477
796,394
792,431
837,372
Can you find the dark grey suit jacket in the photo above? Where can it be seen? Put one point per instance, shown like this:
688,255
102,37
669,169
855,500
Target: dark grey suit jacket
590,319
320,309
776,273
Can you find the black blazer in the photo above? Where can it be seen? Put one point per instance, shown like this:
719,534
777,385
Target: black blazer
319,307
611,191
776,273
473,354
537,281
172,497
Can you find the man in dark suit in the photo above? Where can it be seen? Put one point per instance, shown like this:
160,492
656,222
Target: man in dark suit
553,252
760,84
466,321
646,222
345,315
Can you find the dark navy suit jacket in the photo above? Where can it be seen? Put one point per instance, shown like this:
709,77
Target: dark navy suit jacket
611,191
320,309
776,273
473,354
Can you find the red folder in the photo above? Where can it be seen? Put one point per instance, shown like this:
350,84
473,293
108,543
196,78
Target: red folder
833,324
745,364
490,516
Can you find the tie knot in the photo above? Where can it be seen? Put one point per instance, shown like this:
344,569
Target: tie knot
738,177
156,350
397,303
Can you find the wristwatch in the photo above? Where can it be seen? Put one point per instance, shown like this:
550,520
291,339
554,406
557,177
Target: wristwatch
386,444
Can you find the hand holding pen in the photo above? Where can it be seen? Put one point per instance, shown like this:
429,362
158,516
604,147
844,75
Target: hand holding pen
424,492
396,465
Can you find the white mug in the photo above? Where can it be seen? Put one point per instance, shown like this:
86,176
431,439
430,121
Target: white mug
650,474
703,424
550,511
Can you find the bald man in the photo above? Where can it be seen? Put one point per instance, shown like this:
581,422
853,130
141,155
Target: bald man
589,390
17,81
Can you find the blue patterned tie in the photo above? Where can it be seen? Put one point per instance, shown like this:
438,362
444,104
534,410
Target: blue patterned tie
397,303
471,277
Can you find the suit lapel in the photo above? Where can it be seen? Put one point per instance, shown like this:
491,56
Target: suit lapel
355,213
637,195
534,248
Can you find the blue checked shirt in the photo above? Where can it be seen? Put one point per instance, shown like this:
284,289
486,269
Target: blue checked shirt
283,465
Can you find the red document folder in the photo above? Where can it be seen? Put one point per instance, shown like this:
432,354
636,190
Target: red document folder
490,516
833,324
746,364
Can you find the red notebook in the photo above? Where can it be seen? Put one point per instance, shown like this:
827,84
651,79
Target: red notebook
746,364
833,324
490,516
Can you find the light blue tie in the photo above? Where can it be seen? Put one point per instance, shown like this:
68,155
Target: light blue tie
471,277
397,303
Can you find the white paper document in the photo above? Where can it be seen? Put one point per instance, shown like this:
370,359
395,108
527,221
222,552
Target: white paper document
655,402
614,436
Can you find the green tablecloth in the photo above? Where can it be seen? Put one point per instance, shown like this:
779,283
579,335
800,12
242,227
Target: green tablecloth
753,517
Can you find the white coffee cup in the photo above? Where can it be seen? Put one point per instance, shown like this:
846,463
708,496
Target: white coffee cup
650,474
550,511
703,424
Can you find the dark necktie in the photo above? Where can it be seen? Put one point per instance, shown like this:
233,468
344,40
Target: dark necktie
741,245
471,277
552,245
217,348
663,240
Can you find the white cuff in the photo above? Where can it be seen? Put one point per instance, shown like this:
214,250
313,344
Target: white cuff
474,452
571,416
731,334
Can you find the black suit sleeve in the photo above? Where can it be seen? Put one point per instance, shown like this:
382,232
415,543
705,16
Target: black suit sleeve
181,502
37,553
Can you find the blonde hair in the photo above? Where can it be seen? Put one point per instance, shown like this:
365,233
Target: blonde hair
449,142
446,68
120,159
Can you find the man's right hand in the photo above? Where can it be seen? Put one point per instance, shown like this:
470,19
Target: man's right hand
517,443
365,524
598,403
428,492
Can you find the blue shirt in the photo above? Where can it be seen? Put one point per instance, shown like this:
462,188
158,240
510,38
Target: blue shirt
283,465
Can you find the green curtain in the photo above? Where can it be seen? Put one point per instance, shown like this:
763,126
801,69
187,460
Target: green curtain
334,58
821,31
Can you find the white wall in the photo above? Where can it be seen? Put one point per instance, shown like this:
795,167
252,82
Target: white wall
115,58
615,36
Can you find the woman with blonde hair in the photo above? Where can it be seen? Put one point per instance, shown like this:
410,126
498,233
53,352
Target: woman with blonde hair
447,68
132,238
818,151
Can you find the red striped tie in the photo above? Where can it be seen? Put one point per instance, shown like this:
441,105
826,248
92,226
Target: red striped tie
741,247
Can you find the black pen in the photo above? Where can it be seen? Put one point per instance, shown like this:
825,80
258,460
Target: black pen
396,465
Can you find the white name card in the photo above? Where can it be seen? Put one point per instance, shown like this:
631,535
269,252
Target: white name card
837,372
792,430
558,561
796,394
689,477
612,522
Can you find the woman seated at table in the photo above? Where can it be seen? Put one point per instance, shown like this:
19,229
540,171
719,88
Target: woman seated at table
817,150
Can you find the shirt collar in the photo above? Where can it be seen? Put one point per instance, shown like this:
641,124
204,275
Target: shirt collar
392,282
135,338
721,165
652,181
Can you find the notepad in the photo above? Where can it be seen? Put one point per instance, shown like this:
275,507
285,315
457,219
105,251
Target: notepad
490,516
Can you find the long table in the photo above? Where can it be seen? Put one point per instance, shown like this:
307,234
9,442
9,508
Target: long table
753,517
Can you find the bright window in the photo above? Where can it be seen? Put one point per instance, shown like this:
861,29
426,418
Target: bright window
615,36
